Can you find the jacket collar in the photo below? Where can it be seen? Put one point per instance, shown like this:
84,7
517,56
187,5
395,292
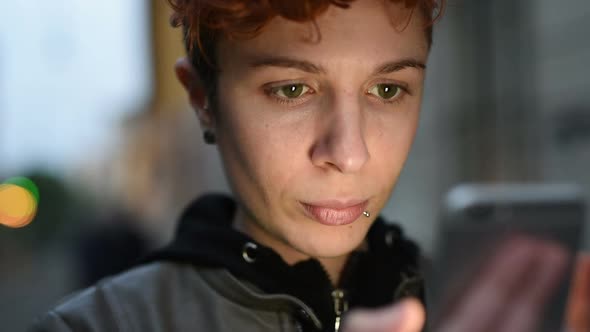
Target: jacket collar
205,237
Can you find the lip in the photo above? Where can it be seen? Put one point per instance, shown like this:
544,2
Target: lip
334,212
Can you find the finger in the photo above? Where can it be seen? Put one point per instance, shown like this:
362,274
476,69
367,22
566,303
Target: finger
525,311
486,299
578,308
405,316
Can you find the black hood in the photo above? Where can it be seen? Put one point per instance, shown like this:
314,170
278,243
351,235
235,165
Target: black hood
372,278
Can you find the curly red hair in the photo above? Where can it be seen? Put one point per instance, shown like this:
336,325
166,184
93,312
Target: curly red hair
204,21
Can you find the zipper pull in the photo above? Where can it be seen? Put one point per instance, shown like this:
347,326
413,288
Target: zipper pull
340,306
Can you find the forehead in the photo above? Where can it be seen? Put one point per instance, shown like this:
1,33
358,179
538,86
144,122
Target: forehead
368,31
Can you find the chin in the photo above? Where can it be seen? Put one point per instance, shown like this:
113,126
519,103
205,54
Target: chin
340,241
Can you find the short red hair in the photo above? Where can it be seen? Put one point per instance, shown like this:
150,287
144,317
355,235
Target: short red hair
205,21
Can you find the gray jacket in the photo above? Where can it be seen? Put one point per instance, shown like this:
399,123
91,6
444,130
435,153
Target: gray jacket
164,296
213,278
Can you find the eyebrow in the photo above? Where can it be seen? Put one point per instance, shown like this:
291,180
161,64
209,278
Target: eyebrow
285,62
306,66
393,66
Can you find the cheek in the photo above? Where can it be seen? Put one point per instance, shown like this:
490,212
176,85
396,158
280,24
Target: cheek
391,144
258,151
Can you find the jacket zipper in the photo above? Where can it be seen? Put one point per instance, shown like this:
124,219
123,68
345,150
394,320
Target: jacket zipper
340,306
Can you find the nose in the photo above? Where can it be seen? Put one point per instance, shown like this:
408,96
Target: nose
341,143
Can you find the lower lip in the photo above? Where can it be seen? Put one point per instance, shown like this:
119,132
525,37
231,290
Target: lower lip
335,217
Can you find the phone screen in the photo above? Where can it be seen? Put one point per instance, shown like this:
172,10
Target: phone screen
477,219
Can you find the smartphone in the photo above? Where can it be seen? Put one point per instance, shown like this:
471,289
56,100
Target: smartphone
475,218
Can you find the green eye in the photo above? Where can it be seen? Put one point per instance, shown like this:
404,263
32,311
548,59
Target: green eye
386,91
291,91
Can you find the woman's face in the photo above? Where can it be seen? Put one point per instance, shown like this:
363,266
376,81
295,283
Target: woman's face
314,132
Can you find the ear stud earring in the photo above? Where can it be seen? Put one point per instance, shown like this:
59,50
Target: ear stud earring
209,136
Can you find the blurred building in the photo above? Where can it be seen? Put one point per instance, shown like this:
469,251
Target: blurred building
506,100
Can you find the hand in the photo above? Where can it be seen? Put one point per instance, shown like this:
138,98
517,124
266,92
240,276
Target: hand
507,297
578,308
405,316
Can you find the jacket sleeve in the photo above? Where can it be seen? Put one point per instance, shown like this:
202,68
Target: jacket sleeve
50,322
92,310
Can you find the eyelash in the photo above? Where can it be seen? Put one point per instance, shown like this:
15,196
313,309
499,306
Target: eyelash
271,92
404,91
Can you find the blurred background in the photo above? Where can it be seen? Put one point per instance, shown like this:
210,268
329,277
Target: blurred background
90,111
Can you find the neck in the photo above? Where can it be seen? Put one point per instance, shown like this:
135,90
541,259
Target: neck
332,265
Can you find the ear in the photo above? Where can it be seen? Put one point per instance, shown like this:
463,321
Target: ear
189,78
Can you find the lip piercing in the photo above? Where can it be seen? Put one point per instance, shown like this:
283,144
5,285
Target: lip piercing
366,214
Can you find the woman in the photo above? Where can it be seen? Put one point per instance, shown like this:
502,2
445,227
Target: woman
313,106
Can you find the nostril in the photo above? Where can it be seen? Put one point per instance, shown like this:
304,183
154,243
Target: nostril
345,158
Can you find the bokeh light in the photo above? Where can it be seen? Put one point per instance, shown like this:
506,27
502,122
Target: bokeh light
19,198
